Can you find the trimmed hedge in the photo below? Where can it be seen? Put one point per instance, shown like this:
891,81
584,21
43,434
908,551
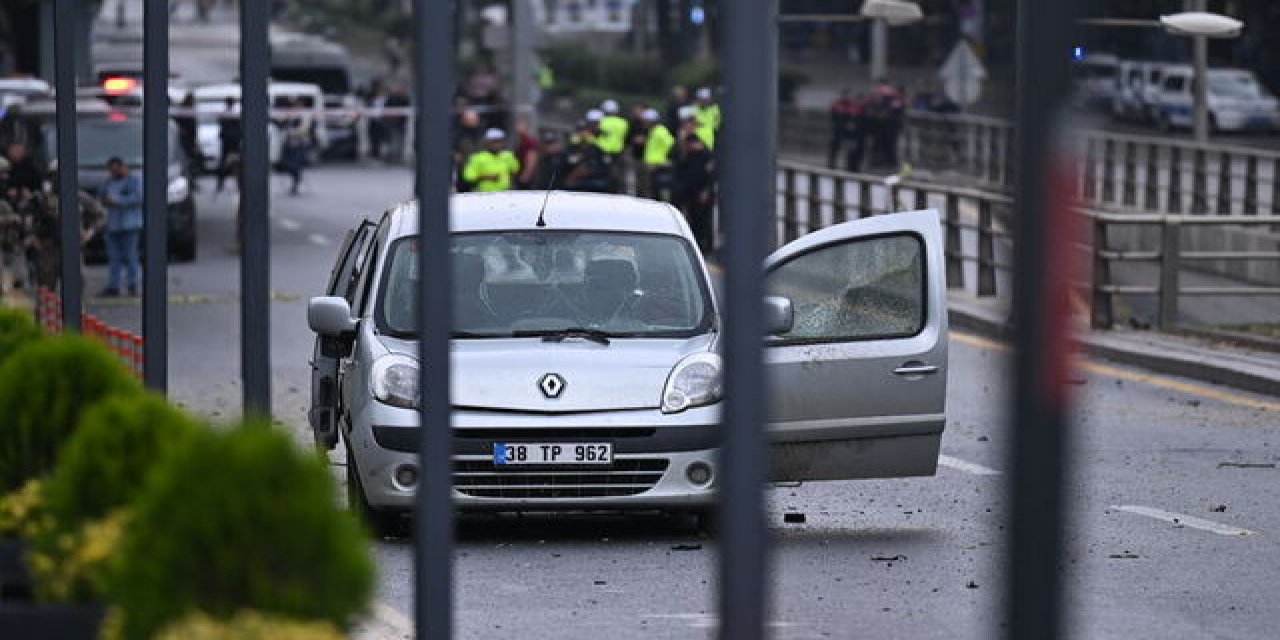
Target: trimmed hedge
235,520
105,461
17,330
43,389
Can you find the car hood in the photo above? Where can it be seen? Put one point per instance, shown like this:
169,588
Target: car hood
503,374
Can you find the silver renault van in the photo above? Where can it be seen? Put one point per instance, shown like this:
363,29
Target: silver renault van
585,367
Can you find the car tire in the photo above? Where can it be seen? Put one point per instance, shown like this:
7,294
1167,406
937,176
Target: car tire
385,523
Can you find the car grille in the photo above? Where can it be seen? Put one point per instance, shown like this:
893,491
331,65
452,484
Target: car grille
481,479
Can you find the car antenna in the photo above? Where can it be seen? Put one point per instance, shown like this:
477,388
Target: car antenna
543,209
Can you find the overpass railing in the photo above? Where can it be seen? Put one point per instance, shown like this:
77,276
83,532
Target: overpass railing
977,225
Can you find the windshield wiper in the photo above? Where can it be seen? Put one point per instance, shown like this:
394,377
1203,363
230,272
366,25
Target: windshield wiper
559,335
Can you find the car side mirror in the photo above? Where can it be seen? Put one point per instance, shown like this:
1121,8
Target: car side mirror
779,315
330,316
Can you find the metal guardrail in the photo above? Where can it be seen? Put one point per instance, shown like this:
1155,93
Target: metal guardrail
811,197
1119,171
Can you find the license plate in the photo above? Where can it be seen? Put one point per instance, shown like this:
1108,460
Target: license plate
568,453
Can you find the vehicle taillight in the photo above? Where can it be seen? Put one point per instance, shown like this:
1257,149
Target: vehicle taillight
119,84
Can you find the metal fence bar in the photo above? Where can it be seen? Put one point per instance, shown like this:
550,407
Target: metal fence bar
1043,253
155,181
433,23
255,326
1170,261
749,59
64,36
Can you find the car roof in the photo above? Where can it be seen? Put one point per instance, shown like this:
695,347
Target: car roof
518,211
232,90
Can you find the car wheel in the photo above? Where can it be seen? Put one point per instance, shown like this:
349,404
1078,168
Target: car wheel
385,523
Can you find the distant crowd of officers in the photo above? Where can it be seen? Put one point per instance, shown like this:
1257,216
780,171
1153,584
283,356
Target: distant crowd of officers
666,155
30,233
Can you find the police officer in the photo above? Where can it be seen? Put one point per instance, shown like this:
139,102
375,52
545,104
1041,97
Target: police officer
658,145
613,136
590,169
707,113
694,189
493,167
553,163
44,244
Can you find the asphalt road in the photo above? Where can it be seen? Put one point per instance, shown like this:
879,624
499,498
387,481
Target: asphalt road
914,558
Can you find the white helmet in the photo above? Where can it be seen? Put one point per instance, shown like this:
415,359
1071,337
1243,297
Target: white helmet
495,134
688,111
595,115
609,106
704,93
651,115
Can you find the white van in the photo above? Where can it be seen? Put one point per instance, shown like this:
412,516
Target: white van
1137,89
1236,101
1095,78
210,101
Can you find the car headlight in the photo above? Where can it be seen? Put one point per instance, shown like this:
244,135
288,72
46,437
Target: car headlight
695,381
394,381
179,189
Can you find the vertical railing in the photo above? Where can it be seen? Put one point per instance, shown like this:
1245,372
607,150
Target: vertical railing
67,47
749,58
155,181
1170,265
433,22
255,234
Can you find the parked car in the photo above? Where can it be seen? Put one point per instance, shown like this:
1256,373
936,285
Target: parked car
1137,89
586,355
103,132
210,103
313,60
1096,79
1236,100
20,89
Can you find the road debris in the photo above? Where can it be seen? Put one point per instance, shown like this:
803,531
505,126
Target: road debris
793,518
1247,465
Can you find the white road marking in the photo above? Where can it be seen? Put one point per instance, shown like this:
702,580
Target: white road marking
1183,520
318,239
289,224
967,467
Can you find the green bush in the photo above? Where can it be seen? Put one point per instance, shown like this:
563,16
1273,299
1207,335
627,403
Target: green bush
105,461
17,329
236,520
43,389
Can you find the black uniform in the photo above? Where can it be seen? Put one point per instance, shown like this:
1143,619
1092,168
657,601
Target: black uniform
694,193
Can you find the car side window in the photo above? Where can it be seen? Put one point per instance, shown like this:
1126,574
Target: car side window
863,289
364,277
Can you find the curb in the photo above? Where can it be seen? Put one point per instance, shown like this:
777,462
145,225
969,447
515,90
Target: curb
990,324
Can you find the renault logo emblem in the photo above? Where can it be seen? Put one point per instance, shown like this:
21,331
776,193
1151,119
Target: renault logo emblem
552,385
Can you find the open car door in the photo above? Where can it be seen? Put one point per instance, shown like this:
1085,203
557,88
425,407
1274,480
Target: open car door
858,383
323,414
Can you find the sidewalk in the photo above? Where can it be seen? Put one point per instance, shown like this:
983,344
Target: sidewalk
1189,357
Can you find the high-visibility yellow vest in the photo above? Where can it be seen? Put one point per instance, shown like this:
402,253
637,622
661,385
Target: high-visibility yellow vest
613,134
708,116
503,165
657,147
706,134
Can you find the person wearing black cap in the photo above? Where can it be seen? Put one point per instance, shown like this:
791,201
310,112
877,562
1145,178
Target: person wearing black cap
695,189
553,163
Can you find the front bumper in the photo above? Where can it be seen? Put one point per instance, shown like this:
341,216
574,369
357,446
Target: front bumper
652,456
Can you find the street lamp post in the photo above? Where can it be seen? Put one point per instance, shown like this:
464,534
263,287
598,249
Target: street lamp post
1201,26
884,14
